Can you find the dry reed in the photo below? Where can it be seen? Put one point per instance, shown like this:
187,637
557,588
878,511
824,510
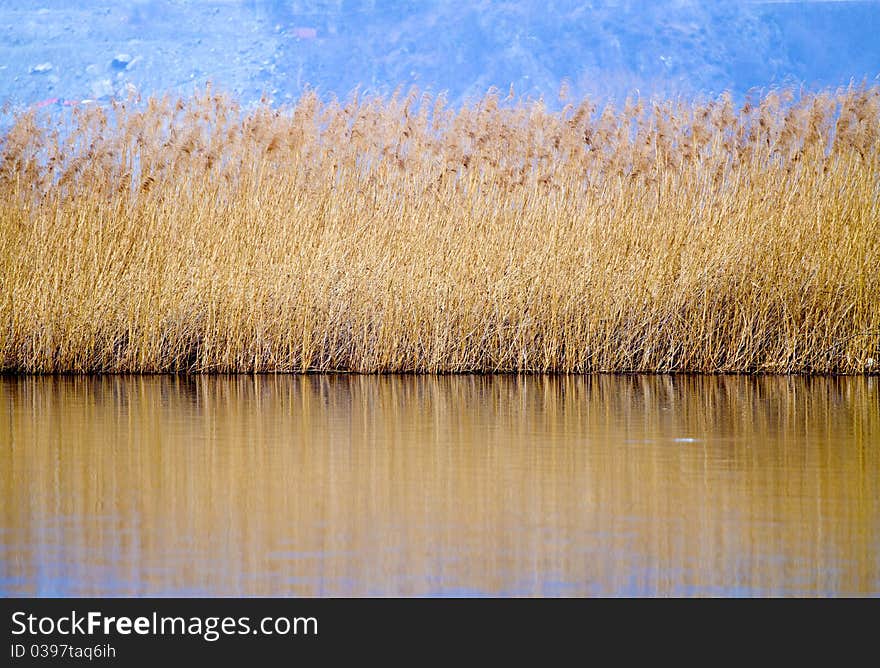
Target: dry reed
396,235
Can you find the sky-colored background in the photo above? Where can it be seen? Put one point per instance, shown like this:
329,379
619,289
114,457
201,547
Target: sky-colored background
54,52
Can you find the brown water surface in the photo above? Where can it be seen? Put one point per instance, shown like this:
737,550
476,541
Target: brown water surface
486,485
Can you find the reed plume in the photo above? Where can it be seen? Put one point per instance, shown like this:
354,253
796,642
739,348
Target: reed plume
400,235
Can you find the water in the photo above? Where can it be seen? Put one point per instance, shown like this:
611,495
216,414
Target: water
364,485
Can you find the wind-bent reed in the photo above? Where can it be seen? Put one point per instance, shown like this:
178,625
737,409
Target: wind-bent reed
396,235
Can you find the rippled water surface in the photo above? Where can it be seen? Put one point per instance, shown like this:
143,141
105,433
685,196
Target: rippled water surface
486,485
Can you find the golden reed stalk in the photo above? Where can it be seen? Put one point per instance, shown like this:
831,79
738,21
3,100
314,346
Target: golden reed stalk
396,235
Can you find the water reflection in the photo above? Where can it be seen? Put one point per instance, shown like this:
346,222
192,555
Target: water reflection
356,485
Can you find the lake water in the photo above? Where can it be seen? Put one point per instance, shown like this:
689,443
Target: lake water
468,485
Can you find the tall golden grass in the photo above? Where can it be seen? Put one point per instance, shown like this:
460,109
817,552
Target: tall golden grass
397,235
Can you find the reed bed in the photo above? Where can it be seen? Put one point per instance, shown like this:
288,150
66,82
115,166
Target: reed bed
399,235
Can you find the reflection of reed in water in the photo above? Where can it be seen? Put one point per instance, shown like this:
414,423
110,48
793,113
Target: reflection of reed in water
355,485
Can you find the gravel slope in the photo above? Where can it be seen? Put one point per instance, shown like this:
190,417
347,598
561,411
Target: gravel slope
57,51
